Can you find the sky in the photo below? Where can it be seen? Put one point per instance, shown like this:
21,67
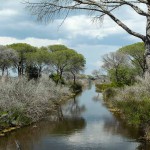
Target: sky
79,32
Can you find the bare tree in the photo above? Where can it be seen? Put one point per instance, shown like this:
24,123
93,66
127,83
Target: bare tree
8,57
113,61
51,9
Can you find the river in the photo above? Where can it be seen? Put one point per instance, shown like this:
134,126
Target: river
89,125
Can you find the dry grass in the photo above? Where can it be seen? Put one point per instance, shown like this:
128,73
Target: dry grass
31,98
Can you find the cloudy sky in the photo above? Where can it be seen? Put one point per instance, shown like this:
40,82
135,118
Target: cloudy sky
93,40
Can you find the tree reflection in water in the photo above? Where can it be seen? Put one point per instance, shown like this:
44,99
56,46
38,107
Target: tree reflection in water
73,109
97,98
144,146
32,135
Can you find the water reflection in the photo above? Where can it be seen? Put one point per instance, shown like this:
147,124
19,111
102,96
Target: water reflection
73,108
97,97
30,136
144,146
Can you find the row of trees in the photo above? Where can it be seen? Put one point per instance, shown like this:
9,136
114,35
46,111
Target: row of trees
125,64
32,61
98,9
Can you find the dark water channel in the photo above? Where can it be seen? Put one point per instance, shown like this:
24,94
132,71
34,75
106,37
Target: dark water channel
89,126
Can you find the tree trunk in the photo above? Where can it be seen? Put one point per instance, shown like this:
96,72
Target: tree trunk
74,78
116,74
19,69
147,44
61,72
3,70
39,71
3,74
7,72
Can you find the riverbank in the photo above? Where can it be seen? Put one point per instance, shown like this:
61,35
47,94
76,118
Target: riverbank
84,128
132,103
23,102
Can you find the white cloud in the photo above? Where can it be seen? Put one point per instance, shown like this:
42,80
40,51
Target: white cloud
33,41
98,63
8,12
82,25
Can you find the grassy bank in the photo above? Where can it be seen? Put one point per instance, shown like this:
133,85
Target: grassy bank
23,102
132,103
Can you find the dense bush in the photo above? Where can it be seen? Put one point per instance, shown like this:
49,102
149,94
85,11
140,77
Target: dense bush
136,112
134,102
77,87
33,72
56,78
109,93
23,101
103,86
125,76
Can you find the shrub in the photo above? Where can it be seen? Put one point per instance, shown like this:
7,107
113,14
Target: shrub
125,76
77,87
56,78
104,86
26,101
134,102
33,72
109,93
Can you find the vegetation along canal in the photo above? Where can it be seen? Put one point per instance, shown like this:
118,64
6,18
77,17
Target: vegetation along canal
89,126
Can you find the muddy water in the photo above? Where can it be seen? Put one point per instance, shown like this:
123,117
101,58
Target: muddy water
88,126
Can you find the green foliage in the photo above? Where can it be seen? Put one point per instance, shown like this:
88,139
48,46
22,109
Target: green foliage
33,72
54,48
22,47
135,112
17,117
132,101
124,65
135,52
14,117
102,87
64,59
119,69
38,58
124,75
133,49
23,51
54,58
76,88
56,78
109,93
91,77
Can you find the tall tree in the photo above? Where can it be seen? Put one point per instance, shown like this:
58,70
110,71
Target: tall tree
22,49
54,48
38,59
119,68
51,9
8,58
63,59
60,60
76,64
113,61
136,56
